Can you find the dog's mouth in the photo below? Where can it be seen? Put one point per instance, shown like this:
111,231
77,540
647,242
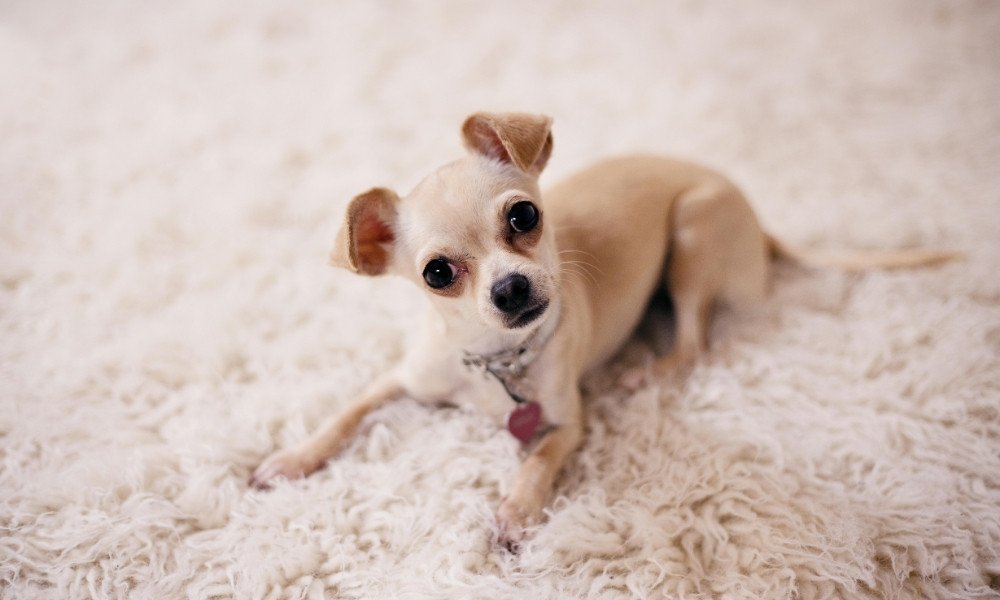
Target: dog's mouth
529,315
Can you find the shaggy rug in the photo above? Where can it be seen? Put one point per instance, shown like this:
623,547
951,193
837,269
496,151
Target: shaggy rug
171,178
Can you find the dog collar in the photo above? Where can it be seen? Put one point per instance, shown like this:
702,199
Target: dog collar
509,366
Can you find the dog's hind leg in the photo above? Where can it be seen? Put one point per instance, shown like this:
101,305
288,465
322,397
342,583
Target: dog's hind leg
717,252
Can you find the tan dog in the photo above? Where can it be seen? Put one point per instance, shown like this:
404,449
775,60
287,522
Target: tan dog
536,292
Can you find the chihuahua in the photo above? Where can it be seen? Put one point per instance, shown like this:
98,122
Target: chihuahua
530,293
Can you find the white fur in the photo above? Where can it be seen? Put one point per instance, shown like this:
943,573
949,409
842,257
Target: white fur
170,181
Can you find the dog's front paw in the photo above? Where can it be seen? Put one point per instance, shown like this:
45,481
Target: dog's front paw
287,464
514,517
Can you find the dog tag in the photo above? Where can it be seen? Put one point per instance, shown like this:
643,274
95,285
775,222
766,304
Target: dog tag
523,421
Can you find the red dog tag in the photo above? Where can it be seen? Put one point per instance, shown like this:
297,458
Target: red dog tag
523,421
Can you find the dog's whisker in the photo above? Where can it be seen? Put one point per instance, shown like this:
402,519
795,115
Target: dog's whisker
570,251
579,269
585,255
590,267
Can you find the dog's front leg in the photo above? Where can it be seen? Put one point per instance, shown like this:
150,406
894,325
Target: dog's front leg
522,506
310,454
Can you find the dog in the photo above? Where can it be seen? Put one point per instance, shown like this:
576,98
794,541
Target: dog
529,292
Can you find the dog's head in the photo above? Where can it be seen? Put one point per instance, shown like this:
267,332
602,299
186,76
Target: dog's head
473,233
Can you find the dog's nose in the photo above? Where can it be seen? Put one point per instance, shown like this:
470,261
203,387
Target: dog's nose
511,293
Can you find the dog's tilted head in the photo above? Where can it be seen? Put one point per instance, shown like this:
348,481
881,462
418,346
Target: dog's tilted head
472,234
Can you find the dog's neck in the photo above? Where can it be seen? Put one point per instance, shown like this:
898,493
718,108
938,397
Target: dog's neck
510,364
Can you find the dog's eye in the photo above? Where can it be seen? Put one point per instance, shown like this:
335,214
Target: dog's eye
439,273
523,217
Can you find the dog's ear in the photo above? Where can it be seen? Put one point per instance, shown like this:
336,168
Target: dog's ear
364,243
515,138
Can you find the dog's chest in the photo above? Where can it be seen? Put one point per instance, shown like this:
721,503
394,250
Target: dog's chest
447,378
484,394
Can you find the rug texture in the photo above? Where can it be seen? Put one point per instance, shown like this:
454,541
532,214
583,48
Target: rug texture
171,178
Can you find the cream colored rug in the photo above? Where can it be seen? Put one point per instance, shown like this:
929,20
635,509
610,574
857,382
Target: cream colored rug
171,177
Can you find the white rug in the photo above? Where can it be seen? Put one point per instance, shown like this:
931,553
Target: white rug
171,177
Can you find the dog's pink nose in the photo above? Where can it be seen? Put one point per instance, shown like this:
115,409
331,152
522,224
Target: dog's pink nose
511,294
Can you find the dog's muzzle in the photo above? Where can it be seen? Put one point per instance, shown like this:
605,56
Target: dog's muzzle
513,297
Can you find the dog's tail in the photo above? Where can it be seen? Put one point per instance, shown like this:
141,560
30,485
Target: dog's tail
859,260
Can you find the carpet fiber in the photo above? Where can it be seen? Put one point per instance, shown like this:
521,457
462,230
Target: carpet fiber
171,178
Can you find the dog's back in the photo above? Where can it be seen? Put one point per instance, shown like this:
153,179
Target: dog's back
614,222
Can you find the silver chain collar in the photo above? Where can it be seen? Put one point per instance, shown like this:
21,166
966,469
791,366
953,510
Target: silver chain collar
509,366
